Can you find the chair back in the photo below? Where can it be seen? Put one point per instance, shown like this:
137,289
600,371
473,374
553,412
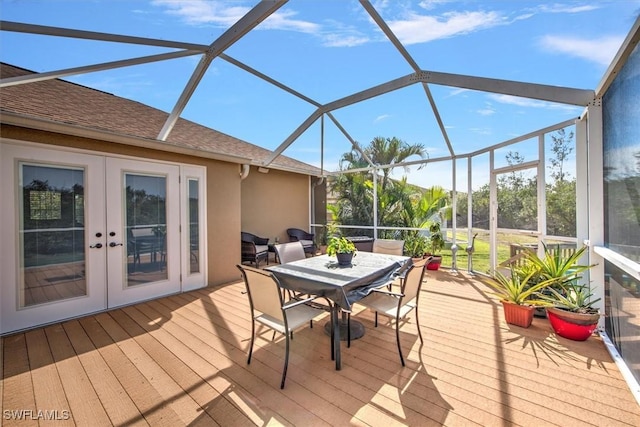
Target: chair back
289,252
388,246
298,234
413,282
264,292
252,238
246,237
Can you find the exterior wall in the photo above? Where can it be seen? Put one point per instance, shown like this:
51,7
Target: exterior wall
223,194
273,202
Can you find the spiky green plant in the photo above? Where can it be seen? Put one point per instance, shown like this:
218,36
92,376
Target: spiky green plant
518,288
557,267
573,297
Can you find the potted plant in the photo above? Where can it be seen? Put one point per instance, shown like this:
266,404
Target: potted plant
342,248
330,230
556,266
322,241
415,245
435,245
572,314
517,295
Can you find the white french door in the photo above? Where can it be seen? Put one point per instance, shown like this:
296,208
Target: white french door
143,230
86,232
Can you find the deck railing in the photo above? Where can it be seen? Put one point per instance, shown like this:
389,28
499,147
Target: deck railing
517,252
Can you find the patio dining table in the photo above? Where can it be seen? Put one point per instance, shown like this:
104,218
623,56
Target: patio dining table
342,285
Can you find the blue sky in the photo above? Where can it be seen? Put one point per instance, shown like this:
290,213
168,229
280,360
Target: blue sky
329,49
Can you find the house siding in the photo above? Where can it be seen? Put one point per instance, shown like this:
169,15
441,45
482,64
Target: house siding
265,203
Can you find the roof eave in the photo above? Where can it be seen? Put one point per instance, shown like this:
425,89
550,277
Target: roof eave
30,122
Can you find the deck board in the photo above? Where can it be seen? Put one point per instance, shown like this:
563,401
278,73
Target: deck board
182,360
47,386
113,397
84,402
17,388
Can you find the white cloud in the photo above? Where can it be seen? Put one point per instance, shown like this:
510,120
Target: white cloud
381,118
203,12
337,34
530,103
424,28
457,91
481,131
284,20
601,50
223,14
220,13
431,4
568,8
488,110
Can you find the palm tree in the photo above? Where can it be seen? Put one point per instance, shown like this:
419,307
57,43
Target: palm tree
431,205
355,190
390,151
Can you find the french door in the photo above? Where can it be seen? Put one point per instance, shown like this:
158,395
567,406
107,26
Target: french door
85,232
142,230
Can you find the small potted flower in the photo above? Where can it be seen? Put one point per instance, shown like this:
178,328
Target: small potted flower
342,248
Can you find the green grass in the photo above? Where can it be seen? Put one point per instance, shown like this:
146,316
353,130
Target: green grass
481,253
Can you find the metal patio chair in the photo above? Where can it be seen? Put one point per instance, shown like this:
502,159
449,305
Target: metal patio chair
269,308
398,305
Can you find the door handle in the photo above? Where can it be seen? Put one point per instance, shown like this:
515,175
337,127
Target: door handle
96,246
114,244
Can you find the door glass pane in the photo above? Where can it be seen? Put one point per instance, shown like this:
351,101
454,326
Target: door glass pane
517,212
51,234
145,211
194,227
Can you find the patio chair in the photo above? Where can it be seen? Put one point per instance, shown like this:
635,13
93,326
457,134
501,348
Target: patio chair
388,246
293,251
143,241
269,308
297,235
289,252
254,248
397,305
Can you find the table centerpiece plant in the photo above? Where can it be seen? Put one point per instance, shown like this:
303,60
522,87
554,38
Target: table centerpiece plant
342,248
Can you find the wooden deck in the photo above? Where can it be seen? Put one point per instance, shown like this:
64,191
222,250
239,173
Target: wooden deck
181,360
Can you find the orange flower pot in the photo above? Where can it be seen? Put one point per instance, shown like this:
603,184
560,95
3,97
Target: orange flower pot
519,315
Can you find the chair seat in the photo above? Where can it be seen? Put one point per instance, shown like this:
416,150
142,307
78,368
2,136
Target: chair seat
262,248
296,317
397,305
387,305
306,243
268,307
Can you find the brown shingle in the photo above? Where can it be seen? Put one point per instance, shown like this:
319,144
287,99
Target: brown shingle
77,105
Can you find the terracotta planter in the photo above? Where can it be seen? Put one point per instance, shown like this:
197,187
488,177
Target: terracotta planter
573,326
519,315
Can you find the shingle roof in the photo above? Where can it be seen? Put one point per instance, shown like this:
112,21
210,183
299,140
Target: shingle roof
73,104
